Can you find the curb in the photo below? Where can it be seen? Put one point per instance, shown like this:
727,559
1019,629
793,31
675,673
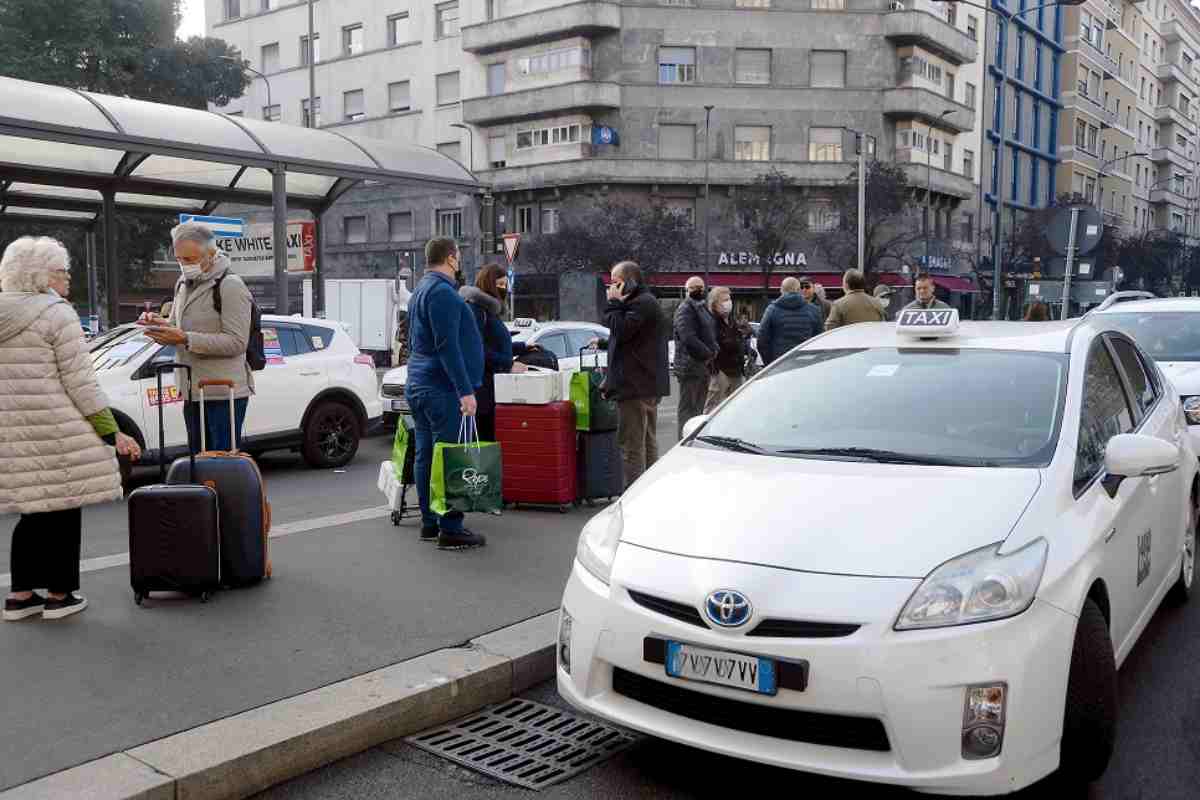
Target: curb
247,753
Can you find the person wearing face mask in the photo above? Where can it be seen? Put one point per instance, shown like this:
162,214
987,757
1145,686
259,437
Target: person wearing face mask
695,347
486,299
445,370
789,321
883,294
815,293
733,346
210,340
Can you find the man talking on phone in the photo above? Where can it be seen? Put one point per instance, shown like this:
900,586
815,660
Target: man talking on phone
638,376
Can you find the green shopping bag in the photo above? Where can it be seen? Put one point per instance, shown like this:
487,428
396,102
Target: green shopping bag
593,412
466,476
403,452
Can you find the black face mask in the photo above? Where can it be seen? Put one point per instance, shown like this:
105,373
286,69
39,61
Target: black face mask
503,293
696,294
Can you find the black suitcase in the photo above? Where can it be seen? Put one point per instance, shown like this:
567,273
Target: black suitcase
244,511
174,531
601,472
539,358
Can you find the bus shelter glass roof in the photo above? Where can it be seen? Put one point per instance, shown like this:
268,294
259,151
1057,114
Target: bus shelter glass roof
61,148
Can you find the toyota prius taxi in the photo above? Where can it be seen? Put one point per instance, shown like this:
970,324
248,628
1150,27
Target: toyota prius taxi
912,554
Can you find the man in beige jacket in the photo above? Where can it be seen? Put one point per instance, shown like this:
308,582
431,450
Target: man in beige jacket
211,341
856,305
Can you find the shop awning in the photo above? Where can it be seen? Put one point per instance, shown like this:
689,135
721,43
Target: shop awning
956,283
754,280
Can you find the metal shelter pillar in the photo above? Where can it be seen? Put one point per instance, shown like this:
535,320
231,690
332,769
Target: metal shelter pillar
279,207
318,274
112,269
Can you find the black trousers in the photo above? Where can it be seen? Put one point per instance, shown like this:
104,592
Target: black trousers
45,551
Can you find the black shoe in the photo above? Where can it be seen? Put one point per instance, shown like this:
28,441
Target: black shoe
429,533
71,604
20,609
463,540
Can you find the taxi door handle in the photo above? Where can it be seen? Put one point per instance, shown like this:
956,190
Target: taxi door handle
1110,536
310,372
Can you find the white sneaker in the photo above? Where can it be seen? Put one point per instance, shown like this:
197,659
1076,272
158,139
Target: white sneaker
57,609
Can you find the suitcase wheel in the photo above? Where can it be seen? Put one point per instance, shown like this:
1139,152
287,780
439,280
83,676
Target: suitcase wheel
138,598
396,518
564,508
204,596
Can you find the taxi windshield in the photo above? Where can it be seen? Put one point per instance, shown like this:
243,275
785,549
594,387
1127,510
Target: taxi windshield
1163,335
900,405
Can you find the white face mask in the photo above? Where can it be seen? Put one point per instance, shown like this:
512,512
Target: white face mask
190,271
725,306
885,301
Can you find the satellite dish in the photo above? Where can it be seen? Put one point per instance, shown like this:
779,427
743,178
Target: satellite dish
1087,235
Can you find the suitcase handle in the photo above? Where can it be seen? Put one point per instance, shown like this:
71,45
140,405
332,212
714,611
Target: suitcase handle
595,352
162,433
232,414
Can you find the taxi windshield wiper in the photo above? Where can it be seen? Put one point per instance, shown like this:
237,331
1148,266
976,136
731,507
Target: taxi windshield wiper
736,444
885,456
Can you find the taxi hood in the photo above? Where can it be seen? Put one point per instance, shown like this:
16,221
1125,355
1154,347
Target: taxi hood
839,517
1185,375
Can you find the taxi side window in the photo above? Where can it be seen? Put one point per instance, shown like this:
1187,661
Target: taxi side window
293,342
578,340
554,343
1144,393
1105,414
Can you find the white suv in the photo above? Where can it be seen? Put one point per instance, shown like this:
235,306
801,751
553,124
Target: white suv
317,394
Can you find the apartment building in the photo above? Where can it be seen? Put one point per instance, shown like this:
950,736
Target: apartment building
556,105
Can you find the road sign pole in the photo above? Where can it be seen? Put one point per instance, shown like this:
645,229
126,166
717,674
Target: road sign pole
1066,300
512,245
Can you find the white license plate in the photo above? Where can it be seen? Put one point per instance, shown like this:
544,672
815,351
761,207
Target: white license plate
751,673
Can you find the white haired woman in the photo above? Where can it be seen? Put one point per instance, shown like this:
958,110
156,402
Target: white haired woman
210,338
56,430
733,345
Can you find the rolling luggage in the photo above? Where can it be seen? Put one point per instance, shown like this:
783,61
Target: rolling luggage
601,471
245,512
174,530
396,474
538,445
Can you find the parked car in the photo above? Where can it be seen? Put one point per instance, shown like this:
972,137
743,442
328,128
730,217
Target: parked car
318,394
564,339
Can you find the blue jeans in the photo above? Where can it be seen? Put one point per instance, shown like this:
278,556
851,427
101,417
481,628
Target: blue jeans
436,418
216,423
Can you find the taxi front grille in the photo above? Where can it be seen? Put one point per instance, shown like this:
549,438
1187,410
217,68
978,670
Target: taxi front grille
669,608
393,390
801,629
830,730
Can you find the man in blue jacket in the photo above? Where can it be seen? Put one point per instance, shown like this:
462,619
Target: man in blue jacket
445,367
789,321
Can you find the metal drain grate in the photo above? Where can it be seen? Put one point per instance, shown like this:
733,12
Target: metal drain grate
525,743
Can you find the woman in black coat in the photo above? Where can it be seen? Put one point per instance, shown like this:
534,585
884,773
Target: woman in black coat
486,299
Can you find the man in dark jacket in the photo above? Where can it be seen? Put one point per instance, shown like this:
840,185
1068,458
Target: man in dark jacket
789,321
638,375
815,293
445,367
926,297
695,347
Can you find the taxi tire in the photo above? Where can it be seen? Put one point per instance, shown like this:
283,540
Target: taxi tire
1090,719
327,412
1181,592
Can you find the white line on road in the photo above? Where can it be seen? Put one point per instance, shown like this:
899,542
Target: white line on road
286,529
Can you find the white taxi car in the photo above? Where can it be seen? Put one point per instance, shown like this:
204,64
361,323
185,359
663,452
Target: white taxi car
317,394
910,554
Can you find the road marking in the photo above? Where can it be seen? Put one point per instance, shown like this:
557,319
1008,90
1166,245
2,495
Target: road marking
286,529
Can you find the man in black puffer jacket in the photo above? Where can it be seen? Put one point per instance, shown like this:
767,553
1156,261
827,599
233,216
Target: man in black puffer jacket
789,321
638,376
695,347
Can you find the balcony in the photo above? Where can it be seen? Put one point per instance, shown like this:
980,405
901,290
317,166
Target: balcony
1112,13
544,101
926,105
940,181
1113,220
1168,73
1174,30
1173,116
576,19
930,33
1165,195
1171,156
1107,63
1080,155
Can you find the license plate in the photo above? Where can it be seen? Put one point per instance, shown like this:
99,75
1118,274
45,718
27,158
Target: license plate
396,405
750,673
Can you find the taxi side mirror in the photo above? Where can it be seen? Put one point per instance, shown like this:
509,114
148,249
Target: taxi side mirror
1134,455
694,424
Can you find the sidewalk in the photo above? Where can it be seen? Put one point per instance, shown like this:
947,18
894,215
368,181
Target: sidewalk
346,600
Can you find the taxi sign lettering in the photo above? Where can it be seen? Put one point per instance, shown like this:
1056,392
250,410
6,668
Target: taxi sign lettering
920,318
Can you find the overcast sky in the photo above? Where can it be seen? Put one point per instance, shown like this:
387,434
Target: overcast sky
193,19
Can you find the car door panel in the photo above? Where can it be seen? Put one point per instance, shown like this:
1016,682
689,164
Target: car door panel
284,389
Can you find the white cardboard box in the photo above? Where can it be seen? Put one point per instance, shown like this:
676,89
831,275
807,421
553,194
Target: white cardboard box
535,387
390,485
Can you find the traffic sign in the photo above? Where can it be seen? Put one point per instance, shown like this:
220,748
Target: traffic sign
1088,231
223,227
512,243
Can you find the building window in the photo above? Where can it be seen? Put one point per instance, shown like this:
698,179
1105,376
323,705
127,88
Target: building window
541,137
352,40
233,9
752,143
356,230
677,141
1089,189
828,5
272,113
952,15
496,152
973,28
752,4
399,30
825,144
753,66
969,95
270,57
828,68
948,162
496,78
354,106
447,88
452,149
1081,134
449,223
969,163
306,51
400,227
1093,138
823,217
447,20
524,219
555,60
676,65
549,220
399,96
316,121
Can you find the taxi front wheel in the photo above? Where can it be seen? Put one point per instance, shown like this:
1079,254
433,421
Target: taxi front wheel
331,436
1090,721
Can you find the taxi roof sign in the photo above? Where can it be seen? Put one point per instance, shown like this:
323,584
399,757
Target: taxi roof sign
524,322
927,323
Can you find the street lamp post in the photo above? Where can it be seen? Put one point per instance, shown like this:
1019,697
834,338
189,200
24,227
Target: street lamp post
470,145
251,69
486,241
929,180
312,72
707,196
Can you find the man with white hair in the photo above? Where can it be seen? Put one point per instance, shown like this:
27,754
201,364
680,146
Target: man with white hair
789,321
210,327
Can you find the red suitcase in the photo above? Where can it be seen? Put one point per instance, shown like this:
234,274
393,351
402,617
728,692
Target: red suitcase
538,443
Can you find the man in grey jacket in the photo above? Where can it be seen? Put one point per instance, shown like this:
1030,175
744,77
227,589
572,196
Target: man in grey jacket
926,298
695,347
211,341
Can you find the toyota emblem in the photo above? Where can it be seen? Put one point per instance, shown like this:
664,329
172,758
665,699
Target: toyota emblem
728,608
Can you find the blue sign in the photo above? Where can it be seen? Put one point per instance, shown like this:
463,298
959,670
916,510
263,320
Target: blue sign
605,135
223,227
512,279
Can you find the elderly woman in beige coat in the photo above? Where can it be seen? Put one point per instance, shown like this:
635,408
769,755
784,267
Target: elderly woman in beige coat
57,433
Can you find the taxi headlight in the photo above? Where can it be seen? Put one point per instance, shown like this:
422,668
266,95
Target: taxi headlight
979,586
599,540
1191,409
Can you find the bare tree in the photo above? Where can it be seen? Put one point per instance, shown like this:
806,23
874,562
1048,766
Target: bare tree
891,210
772,214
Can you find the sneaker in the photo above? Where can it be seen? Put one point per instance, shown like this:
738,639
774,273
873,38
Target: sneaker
71,604
429,533
20,609
463,540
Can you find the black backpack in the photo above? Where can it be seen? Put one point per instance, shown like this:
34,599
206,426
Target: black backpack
256,355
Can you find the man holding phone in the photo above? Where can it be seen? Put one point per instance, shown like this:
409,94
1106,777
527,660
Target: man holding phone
638,376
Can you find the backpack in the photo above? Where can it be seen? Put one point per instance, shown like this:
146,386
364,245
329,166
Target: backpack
256,355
